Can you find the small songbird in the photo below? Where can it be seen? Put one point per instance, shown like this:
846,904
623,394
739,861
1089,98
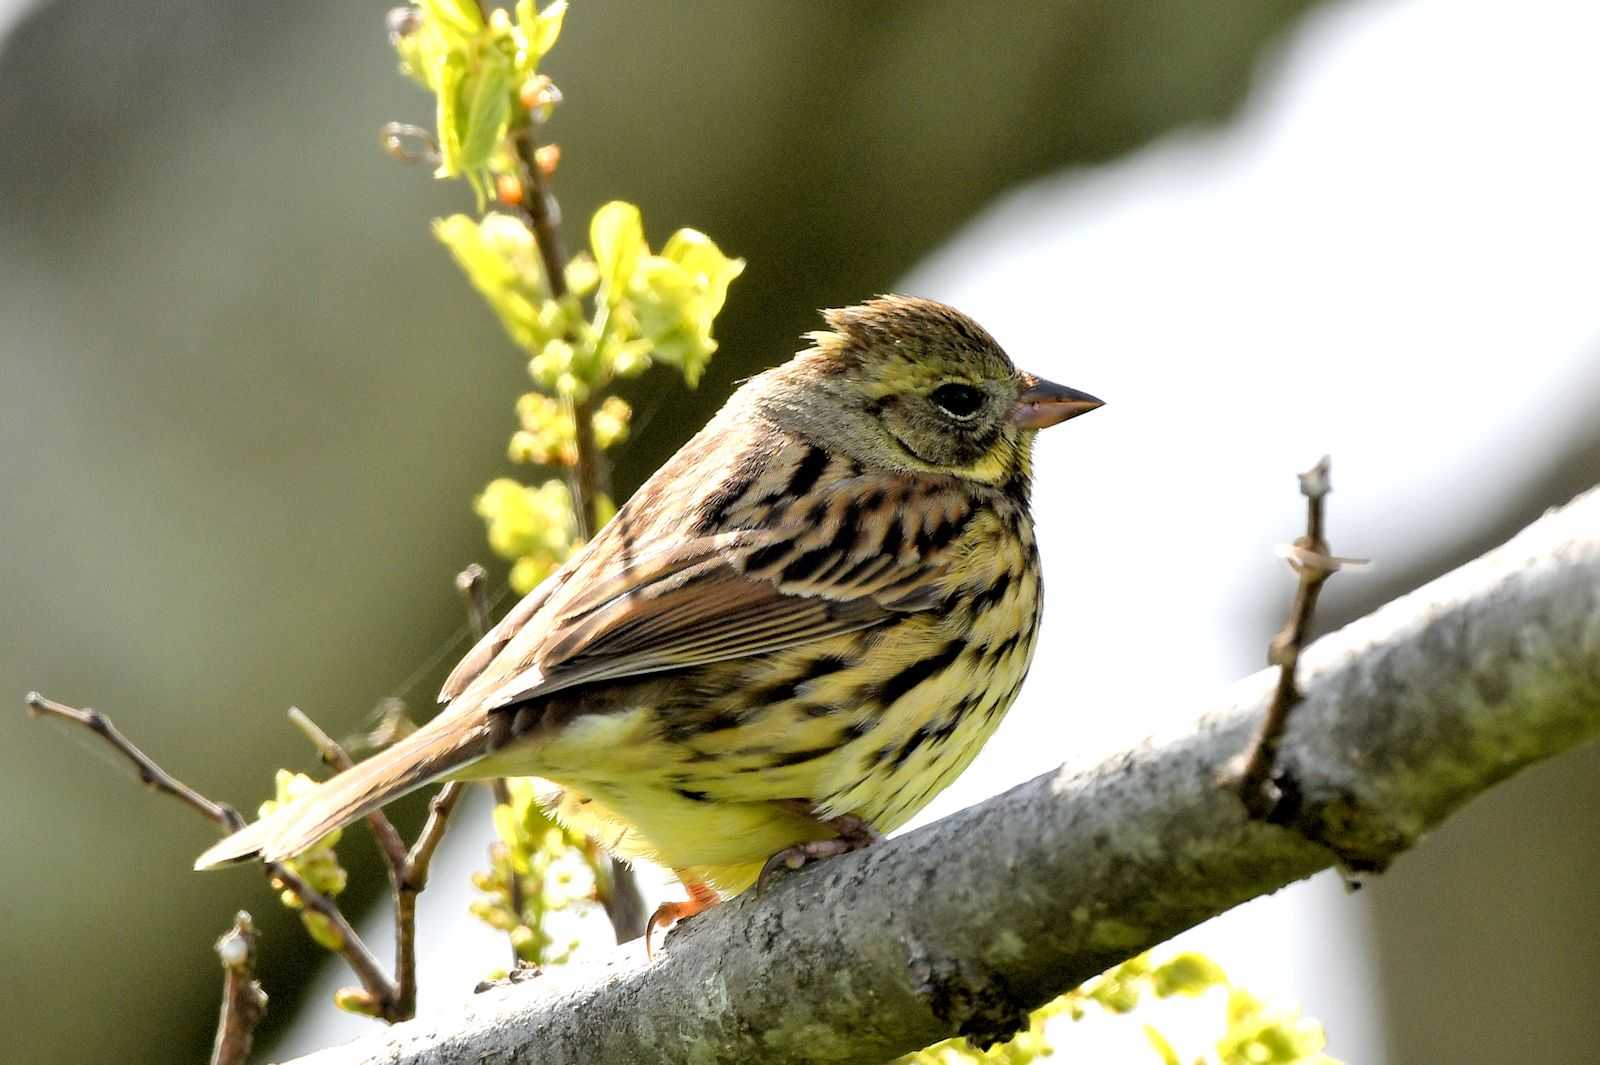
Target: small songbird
791,638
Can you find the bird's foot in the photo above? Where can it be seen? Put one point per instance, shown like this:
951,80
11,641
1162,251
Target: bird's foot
701,897
853,835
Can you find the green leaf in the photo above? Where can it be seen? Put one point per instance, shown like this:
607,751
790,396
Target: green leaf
539,30
483,112
616,235
499,257
458,20
449,79
677,297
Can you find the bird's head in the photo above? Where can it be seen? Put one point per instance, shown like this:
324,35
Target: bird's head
912,384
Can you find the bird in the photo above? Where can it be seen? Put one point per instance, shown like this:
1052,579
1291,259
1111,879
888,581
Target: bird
791,637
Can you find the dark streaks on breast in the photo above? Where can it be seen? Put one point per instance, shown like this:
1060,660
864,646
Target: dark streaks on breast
909,747
857,729
807,755
823,665
890,691
939,536
993,595
1017,488
778,691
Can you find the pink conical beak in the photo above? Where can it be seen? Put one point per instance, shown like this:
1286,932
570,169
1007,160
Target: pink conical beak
1045,403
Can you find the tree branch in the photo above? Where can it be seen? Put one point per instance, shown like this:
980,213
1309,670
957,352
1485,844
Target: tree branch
1406,715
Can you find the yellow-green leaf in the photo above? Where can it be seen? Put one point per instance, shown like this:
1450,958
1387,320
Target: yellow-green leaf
483,112
458,19
539,30
499,257
616,236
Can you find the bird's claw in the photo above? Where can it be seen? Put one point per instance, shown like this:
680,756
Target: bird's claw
854,834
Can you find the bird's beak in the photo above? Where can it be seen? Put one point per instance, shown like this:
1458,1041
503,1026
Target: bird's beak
1044,403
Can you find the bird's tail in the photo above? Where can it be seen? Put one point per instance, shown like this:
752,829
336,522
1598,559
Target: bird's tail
444,744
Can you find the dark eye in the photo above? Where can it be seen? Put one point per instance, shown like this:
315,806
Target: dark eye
958,401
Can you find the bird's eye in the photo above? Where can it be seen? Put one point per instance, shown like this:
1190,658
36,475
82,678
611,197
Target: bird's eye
958,401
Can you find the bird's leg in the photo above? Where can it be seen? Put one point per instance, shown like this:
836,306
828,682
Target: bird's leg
852,834
701,897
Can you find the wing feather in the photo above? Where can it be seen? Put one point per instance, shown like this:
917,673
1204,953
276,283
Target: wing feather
654,592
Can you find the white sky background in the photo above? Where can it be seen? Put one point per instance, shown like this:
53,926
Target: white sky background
1393,256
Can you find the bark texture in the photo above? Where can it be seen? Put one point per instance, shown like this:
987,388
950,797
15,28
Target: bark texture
967,924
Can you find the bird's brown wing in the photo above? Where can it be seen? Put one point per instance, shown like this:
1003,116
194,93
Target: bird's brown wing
704,599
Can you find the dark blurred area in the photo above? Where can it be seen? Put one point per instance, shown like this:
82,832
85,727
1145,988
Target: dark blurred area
248,400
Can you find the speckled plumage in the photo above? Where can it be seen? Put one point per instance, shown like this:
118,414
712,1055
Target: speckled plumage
822,605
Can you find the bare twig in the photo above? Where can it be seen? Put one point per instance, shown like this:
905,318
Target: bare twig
544,214
1250,775
408,868
473,584
150,774
243,1001
375,983
589,475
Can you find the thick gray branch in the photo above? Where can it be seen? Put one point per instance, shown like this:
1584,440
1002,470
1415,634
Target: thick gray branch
968,923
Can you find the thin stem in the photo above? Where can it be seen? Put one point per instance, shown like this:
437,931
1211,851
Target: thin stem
473,584
544,215
150,774
243,1001
1251,774
412,879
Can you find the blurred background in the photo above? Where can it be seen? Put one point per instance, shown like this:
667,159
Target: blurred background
246,401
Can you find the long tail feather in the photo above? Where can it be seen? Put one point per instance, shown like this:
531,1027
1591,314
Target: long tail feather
426,755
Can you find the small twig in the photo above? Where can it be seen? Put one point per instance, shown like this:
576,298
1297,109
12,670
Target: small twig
544,215
243,1001
408,868
150,774
374,981
1251,774
410,881
473,584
